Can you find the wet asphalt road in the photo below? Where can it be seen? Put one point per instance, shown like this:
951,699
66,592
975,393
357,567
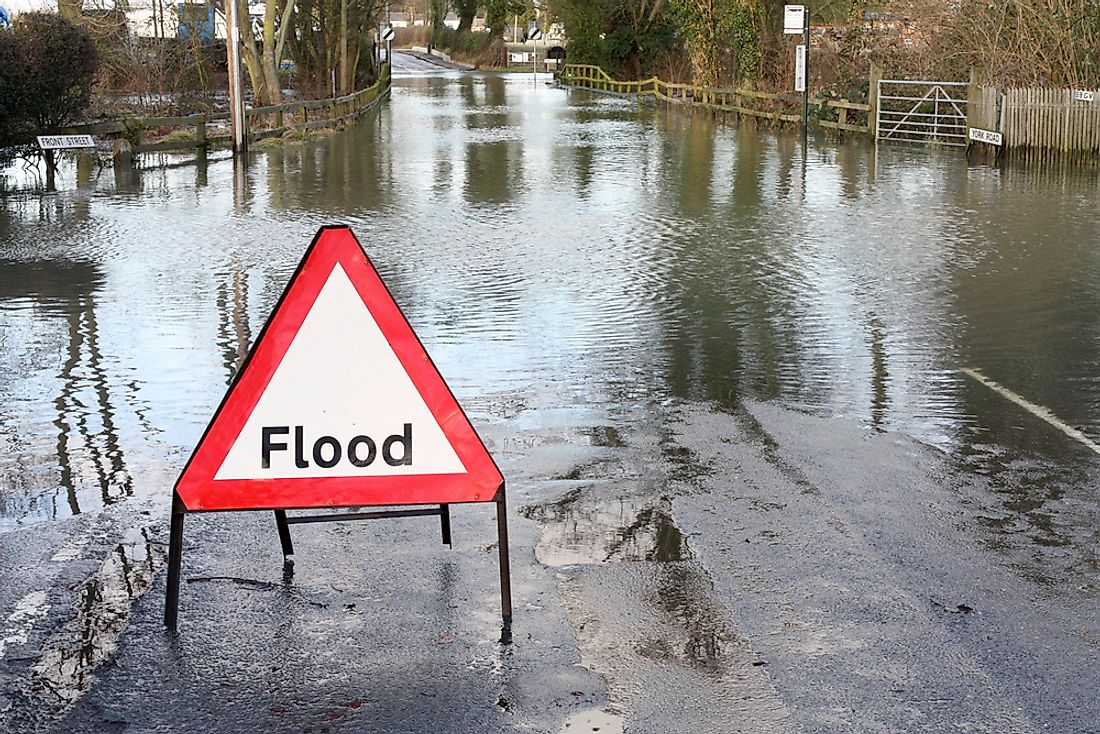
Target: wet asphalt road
761,589
687,566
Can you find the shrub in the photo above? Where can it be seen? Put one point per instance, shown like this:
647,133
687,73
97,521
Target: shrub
47,67
46,73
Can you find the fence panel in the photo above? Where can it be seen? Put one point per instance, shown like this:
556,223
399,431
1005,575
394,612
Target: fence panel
1047,123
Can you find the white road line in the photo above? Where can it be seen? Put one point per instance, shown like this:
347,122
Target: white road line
1036,410
27,610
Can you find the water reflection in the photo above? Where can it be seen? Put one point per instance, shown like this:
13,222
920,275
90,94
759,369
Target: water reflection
587,526
34,296
65,669
573,251
87,441
685,596
234,335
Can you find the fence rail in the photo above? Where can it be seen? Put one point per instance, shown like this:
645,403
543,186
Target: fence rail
190,132
771,106
1037,124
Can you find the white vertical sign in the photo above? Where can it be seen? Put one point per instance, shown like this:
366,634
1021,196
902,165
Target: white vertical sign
800,68
794,18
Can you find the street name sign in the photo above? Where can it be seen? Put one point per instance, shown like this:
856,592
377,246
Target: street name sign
337,405
58,142
1084,95
985,136
794,18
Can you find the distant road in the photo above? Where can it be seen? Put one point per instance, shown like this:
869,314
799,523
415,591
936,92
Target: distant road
403,61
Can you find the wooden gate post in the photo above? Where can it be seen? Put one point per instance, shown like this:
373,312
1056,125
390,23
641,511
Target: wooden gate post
872,98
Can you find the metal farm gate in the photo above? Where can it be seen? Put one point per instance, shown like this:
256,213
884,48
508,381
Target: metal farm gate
933,113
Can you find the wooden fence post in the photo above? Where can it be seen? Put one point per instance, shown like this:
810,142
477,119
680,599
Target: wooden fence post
872,98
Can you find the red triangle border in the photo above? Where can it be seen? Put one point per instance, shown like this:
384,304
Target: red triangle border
197,487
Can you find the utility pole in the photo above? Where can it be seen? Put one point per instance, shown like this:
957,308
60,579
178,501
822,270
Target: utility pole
806,78
236,93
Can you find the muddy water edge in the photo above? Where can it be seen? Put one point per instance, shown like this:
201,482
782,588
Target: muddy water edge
753,487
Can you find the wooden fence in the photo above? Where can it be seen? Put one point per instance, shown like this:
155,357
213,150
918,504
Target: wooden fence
776,108
1044,124
191,132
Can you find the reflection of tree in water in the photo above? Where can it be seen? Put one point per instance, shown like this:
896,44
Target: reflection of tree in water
685,595
581,526
87,443
102,610
696,159
234,334
348,171
87,434
733,328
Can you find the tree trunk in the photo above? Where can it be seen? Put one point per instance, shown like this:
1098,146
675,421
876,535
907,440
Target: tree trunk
634,62
269,63
343,47
51,169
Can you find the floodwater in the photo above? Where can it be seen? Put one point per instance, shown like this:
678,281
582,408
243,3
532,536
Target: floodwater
598,278
588,250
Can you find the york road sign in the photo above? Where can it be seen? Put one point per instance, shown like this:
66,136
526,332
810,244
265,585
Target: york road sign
985,136
337,405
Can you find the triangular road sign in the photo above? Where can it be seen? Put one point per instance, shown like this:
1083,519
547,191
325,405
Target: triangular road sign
337,405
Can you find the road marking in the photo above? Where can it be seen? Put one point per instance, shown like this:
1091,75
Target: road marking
1036,410
27,610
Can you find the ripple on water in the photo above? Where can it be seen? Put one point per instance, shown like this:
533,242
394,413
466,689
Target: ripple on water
561,243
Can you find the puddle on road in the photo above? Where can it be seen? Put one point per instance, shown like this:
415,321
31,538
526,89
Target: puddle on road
671,660
586,527
685,596
65,669
605,722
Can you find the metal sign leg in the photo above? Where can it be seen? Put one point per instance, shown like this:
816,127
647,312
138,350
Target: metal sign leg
175,562
505,570
445,523
284,533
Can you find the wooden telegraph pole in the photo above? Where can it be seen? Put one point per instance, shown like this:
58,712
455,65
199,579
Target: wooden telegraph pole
236,93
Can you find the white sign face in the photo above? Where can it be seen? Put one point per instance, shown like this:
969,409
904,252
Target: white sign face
986,136
339,404
535,34
1084,95
794,18
55,142
800,68
388,34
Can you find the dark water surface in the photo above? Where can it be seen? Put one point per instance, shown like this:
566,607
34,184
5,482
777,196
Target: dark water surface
559,251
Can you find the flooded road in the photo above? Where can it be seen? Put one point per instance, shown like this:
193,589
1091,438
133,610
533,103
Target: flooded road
745,401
